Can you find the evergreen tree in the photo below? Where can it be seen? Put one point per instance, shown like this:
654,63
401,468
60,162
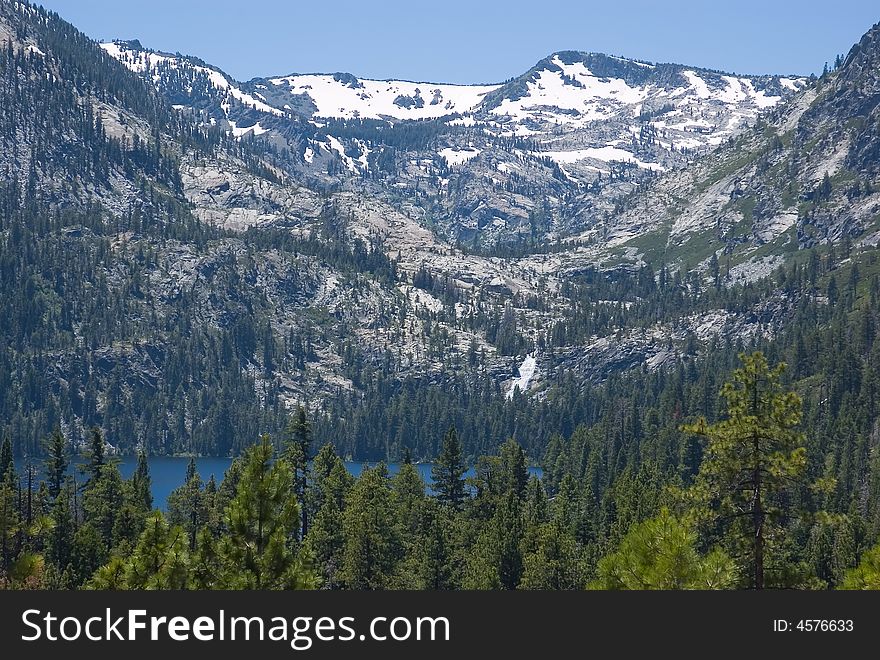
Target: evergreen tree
325,541
372,543
203,562
496,561
435,549
103,498
56,463
60,546
297,453
865,576
448,471
10,523
752,460
660,553
89,553
555,563
142,484
262,519
186,505
409,498
95,456
159,561
7,466
514,473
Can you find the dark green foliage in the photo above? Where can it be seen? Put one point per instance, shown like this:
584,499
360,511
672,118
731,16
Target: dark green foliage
372,545
142,484
753,464
257,552
297,452
7,467
327,500
661,553
448,471
56,463
187,506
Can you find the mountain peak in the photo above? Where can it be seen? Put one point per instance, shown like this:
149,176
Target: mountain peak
867,48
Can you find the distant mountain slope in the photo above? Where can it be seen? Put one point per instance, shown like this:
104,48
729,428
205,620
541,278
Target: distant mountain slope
343,96
184,256
75,124
806,175
167,281
490,163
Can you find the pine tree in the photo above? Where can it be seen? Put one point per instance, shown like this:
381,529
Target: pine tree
496,560
409,498
6,463
159,561
60,550
508,528
10,523
752,460
372,544
89,553
865,576
56,462
448,471
262,519
325,541
142,484
555,562
435,551
186,506
514,473
660,553
95,456
102,501
297,453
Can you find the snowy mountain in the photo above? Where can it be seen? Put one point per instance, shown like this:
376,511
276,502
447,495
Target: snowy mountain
188,82
324,238
803,177
482,161
342,96
561,96
573,93
159,67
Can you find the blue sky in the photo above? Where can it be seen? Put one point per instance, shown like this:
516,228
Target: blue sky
478,41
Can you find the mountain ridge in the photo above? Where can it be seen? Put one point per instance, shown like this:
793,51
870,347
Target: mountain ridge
136,45
515,136
249,261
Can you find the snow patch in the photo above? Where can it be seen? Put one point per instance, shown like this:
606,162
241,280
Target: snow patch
463,121
239,132
348,98
760,98
701,89
458,156
526,374
336,145
605,154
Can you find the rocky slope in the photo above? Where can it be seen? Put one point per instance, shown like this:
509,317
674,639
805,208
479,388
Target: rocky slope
806,175
487,163
206,253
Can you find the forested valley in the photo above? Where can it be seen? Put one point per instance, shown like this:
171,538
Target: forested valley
189,271
739,502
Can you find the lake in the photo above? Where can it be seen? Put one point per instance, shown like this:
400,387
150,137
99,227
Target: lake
169,472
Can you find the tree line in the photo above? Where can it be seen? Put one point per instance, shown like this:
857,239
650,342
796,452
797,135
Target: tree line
284,517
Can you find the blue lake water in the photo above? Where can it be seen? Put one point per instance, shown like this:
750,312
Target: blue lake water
169,472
